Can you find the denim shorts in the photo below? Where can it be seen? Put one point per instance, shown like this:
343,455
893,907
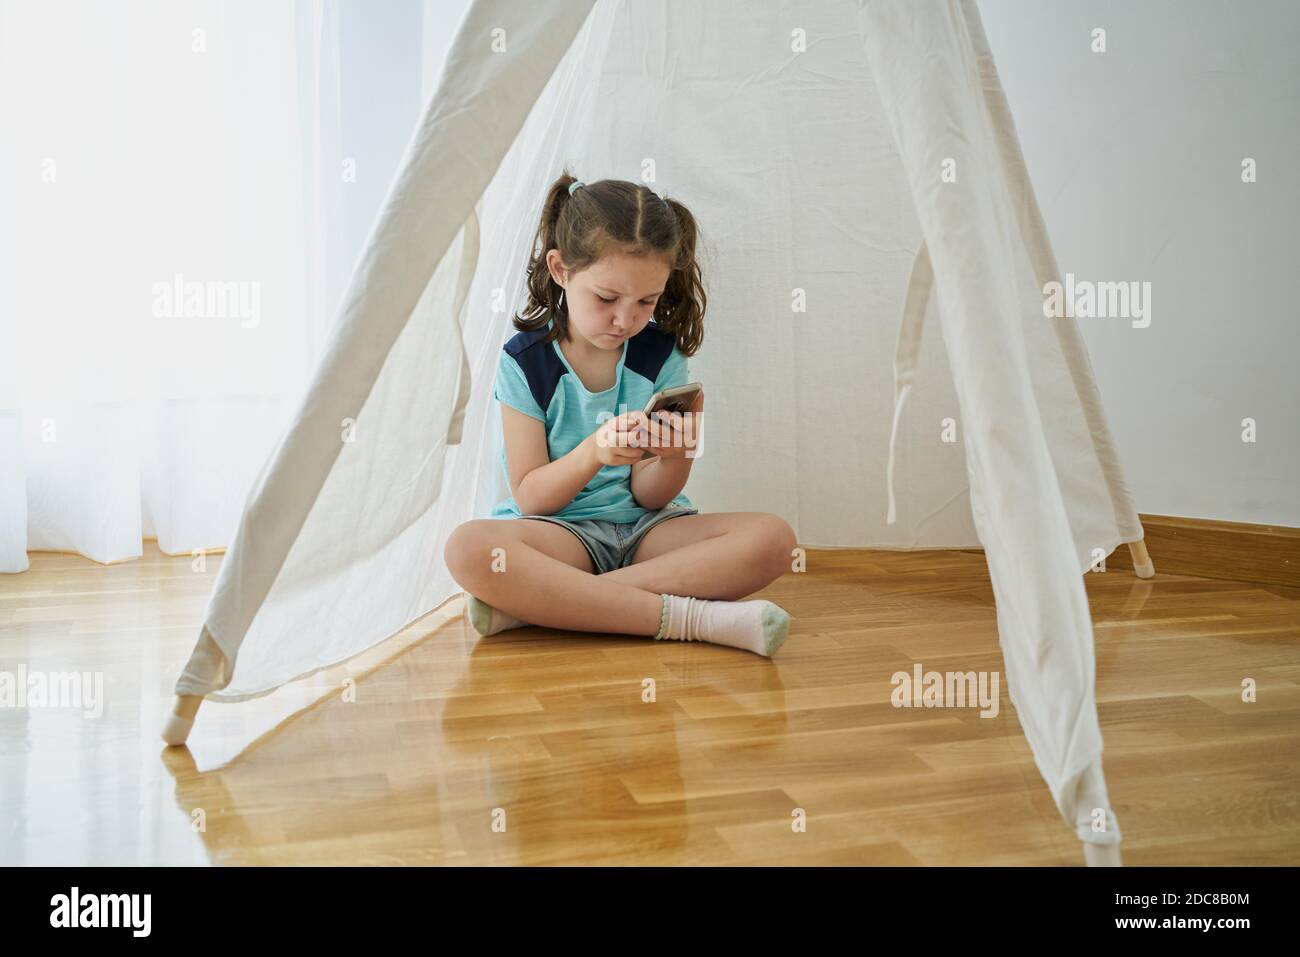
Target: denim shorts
612,545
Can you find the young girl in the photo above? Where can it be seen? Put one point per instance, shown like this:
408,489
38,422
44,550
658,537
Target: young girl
597,535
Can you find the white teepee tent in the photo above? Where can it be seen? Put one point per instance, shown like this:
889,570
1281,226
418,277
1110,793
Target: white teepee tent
811,141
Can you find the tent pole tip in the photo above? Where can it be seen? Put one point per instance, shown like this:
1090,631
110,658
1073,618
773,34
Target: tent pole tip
176,731
1102,855
1142,564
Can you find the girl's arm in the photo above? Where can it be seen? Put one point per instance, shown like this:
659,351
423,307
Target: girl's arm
540,486
656,482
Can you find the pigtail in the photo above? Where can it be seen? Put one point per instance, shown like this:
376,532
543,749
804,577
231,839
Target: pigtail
544,299
681,308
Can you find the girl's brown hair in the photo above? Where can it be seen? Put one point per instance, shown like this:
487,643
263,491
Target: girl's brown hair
616,215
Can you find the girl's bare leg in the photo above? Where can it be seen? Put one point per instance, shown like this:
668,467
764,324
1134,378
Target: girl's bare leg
722,556
526,580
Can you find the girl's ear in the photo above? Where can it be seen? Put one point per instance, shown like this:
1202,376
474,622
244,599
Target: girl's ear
555,265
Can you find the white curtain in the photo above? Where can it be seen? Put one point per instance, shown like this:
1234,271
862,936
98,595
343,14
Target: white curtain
235,153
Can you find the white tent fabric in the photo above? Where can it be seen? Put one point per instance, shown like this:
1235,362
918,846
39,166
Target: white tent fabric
816,176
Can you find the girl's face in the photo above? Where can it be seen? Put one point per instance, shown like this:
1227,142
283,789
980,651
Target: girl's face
612,299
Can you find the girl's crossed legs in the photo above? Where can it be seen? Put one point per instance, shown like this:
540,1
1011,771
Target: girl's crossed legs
543,574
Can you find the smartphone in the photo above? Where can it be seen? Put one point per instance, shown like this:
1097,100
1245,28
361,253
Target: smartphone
678,399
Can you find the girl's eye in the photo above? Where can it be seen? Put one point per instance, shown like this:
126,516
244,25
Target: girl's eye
644,302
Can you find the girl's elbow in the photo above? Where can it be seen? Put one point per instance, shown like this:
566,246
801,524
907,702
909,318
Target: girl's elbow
527,506
652,502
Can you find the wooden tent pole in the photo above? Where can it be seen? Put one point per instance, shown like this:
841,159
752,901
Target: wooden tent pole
1142,564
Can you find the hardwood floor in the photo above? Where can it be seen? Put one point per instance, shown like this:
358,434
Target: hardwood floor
448,734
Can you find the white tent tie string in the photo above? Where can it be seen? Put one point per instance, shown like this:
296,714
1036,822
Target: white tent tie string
468,263
908,353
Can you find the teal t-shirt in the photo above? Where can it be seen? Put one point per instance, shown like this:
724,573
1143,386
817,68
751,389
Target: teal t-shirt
534,377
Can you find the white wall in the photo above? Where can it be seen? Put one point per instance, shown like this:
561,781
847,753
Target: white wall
1136,156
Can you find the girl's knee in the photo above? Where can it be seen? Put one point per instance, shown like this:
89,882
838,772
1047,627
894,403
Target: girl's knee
468,551
778,541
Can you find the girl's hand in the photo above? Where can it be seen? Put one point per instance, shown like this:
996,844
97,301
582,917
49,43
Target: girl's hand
676,435
620,440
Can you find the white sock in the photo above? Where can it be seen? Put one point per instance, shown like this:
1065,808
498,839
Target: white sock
488,620
758,626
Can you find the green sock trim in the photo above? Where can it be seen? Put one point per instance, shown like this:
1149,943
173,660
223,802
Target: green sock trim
479,613
663,619
776,627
